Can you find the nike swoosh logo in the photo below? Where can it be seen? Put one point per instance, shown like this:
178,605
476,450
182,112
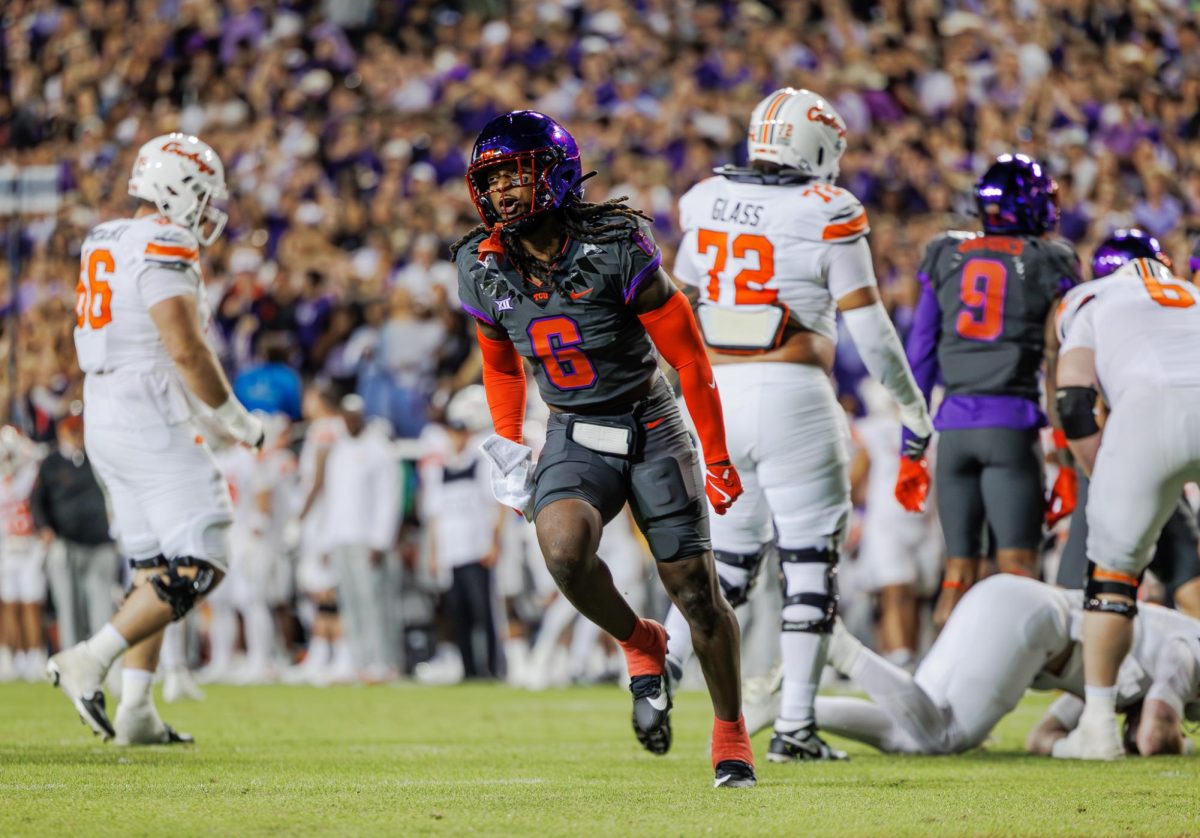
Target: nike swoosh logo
652,425
712,385
659,703
575,295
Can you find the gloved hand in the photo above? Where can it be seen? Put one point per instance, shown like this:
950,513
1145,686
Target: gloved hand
512,472
240,423
723,486
1064,496
912,483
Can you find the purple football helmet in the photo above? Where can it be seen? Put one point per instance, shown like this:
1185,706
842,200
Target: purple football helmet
543,154
1122,247
1017,197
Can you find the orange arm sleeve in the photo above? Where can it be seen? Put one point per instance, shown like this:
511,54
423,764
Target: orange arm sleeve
504,382
672,327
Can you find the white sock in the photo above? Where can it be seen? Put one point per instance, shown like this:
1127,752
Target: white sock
341,657
107,645
259,631
679,636
222,638
803,658
135,686
318,652
172,656
1100,701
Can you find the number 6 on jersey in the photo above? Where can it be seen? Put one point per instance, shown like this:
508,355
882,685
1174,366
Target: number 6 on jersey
93,295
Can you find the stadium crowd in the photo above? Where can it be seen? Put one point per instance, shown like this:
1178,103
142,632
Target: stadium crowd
346,129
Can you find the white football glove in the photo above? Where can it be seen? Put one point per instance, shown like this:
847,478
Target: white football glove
240,424
512,472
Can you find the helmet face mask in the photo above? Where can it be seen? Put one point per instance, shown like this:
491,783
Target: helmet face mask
182,177
537,154
798,131
1016,196
1123,247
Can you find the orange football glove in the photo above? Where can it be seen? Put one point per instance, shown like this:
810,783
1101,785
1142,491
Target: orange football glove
1064,496
723,487
912,484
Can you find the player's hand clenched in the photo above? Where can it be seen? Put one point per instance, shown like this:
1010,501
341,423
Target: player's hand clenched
912,484
722,485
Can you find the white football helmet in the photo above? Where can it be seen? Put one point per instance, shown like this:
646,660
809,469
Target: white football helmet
182,176
468,410
798,130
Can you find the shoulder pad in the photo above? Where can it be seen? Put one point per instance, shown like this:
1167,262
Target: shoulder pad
828,213
467,255
1072,302
171,243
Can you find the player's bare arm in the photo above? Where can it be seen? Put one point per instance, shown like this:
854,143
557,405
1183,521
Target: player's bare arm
178,323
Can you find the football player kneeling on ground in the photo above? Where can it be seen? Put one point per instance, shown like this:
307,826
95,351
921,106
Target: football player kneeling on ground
139,336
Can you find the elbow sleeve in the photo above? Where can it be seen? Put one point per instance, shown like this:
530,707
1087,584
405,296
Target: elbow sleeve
673,329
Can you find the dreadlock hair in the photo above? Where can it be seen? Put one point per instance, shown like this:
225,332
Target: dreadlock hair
583,221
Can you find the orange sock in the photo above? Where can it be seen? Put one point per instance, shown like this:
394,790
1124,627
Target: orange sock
730,741
645,649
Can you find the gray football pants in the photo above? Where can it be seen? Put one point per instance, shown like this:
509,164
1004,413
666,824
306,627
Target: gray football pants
83,582
362,592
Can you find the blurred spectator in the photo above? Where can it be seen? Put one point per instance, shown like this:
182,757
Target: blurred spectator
363,495
271,384
465,545
70,515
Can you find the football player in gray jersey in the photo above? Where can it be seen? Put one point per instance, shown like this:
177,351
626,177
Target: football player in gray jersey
578,290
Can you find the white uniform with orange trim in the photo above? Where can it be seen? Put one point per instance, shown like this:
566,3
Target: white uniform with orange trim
22,555
1143,324
803,246
168,495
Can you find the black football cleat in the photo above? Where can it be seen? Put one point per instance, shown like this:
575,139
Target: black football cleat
802,745
652,711
734,774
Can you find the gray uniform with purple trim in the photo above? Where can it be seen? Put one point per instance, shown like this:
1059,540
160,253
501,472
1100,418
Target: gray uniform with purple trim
585,343
593,359
980,325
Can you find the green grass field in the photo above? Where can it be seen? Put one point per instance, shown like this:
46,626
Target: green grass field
489,760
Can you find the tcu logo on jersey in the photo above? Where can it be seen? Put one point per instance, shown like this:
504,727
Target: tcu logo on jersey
815,114
175,148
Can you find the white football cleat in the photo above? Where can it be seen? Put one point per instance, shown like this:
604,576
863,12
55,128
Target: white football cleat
140,725
179,685
78,673
1094,738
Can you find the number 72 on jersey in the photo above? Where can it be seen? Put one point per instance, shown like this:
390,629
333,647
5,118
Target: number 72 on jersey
749,284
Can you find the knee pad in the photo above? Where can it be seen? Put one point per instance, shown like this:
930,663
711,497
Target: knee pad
737,573
1101,581
181,592
809,581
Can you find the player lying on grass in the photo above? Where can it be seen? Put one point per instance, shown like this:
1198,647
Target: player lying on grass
577,290
1009,634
